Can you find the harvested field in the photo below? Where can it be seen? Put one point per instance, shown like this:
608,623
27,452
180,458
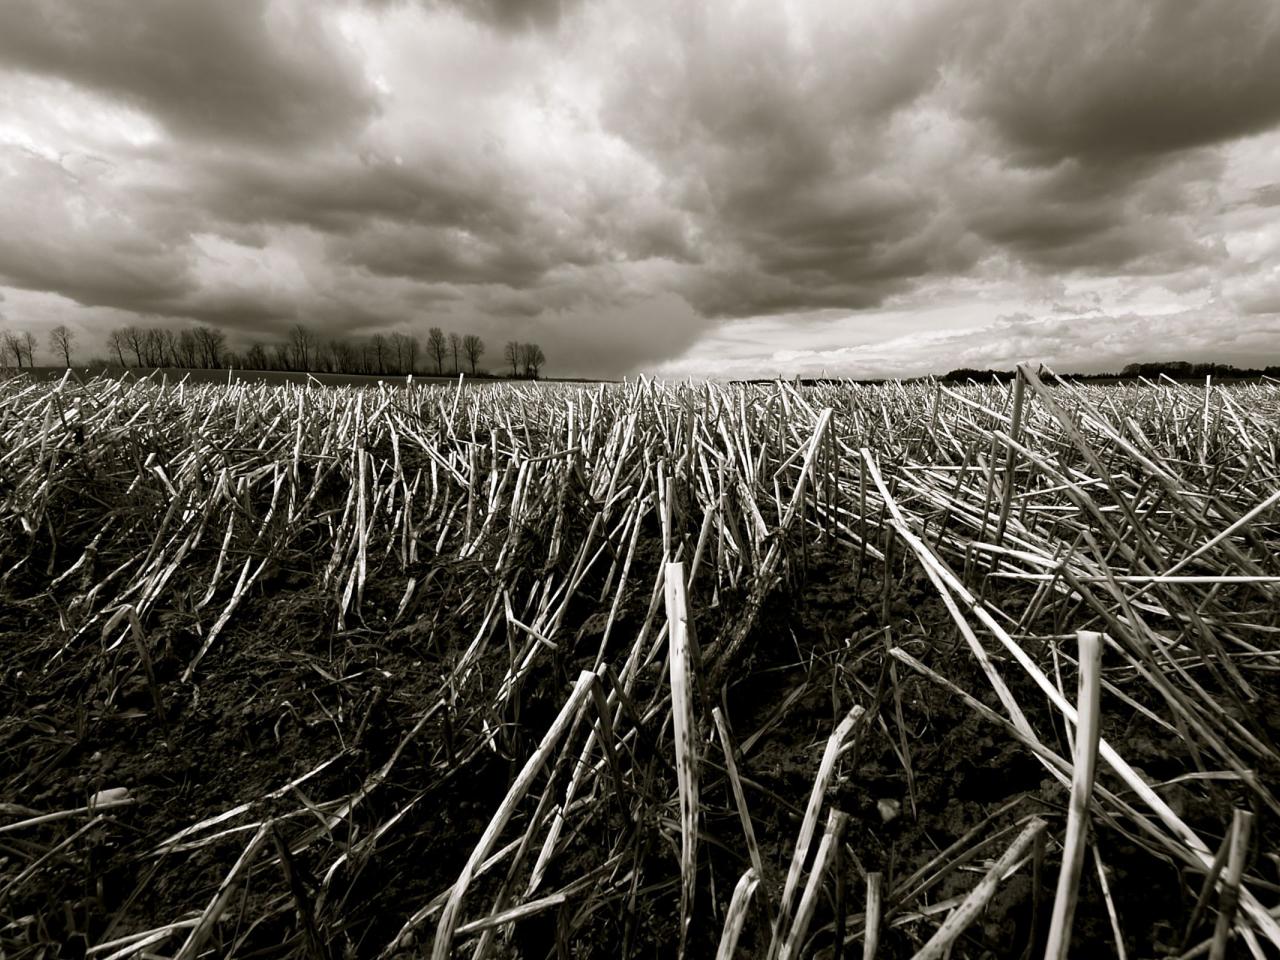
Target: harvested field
638,670
226,377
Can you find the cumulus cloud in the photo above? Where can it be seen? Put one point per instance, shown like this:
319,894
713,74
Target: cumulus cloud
503,15
1085,343
666,185
70,233
942,138
1077,79
239,69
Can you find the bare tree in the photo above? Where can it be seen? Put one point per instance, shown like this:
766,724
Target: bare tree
169,347
405,349
255,358
115,340
342,356
302,346
531,358
28,341
13,347
60,339
511,353
188,349
153,342
211,342
325,360
134,339
436,346
473,347
455,348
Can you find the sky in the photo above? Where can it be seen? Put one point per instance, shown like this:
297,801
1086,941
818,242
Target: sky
670,187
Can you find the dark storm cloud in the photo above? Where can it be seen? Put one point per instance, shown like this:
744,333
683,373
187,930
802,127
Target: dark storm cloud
1267,196
797,154
505,15
776,141
341,192
243,312
1265,302
1259,293
514,14
448,216
1104,116
92,252
1075,78
873,235
1127,217
569,170
438,255
228,69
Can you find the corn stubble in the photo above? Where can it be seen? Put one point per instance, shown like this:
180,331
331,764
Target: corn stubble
599,560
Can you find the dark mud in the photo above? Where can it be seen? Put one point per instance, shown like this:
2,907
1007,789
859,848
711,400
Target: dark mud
283,692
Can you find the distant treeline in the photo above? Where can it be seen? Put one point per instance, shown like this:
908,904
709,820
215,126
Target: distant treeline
303,350
1173,369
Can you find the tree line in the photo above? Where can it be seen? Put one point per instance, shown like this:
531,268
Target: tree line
18,346
1173,369
302,350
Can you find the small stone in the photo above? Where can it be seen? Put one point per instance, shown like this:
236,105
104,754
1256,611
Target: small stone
890,810
113,796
